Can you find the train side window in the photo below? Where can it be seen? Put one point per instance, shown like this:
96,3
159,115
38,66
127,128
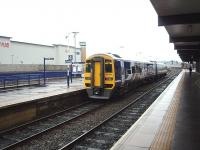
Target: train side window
108,68
129,71
88,68
133,69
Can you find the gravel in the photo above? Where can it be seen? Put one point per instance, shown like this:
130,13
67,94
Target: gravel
57,138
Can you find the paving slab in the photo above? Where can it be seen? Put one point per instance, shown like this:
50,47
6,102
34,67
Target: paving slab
53,87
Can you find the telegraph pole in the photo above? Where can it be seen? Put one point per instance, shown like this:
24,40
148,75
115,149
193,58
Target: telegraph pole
75,33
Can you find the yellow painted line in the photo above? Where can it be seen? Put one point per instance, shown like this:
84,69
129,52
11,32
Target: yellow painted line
164,136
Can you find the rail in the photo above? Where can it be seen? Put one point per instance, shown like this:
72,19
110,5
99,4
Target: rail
45,124
76,143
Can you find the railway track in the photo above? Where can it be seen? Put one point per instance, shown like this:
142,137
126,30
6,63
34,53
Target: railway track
106,133
26,132
79,133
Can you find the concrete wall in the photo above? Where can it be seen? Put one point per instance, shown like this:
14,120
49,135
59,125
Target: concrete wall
13,115
63,52
14,52
24,53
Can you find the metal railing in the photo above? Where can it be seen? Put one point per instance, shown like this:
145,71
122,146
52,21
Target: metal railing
20,80
14,80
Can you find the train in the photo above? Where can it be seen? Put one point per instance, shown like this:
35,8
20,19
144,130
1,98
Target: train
106,75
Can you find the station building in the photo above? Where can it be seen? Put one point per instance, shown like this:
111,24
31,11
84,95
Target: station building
16,52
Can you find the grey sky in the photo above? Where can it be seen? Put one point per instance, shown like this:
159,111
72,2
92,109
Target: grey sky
126,27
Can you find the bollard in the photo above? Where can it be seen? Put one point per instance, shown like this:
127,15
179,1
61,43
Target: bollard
29,78
4,83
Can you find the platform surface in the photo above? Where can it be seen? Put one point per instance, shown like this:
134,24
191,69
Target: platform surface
25,94
187,129
171,122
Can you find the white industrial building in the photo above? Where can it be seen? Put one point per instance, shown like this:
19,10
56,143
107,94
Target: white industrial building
15,52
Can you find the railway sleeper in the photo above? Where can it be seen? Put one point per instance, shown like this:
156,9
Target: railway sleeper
91,144
111,129
5,142
80,147
11,138
121,125
125,116
100,133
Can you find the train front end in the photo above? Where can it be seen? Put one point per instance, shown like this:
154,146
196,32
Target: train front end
99,77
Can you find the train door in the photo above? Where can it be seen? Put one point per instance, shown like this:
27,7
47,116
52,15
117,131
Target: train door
127,69
98,72
123,72
119,71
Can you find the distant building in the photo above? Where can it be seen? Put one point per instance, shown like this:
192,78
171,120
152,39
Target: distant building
15,52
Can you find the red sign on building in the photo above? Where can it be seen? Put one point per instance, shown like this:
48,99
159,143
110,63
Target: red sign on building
4,44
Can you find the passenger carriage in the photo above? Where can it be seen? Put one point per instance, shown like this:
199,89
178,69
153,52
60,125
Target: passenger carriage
106,74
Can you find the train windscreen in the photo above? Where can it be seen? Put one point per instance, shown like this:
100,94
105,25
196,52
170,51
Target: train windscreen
88,68
108,68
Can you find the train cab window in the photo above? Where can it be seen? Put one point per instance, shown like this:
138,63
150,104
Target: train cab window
108,68
88,68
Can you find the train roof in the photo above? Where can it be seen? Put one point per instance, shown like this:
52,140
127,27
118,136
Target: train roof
117,57
114,56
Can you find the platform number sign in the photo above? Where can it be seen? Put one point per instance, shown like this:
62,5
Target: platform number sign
70,57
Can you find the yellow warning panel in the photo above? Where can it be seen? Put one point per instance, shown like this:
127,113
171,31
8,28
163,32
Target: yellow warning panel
97,72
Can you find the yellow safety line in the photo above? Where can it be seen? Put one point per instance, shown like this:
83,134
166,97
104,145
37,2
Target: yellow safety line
164,136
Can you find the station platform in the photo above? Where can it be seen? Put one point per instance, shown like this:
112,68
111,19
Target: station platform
31,93
171,122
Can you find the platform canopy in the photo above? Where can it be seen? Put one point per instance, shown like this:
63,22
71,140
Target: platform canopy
181,19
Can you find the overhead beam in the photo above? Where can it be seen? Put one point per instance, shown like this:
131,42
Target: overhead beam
188,52
184,39
187,47
186,58
179,19
189,57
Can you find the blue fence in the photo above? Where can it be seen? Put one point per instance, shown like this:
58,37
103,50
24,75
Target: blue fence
30,78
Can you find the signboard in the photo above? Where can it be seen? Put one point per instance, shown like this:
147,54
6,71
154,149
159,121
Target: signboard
82,43
4,42
70,57
49,58
67,61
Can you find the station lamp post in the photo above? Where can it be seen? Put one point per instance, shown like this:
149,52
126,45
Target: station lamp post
75,33
69,58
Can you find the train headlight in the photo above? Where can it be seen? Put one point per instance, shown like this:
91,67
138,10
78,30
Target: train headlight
108,78
87,78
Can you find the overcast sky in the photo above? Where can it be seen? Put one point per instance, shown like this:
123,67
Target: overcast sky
126,27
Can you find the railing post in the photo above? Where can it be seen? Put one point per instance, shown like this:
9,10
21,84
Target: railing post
39,79
17,83
44,73
29,80
4,83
